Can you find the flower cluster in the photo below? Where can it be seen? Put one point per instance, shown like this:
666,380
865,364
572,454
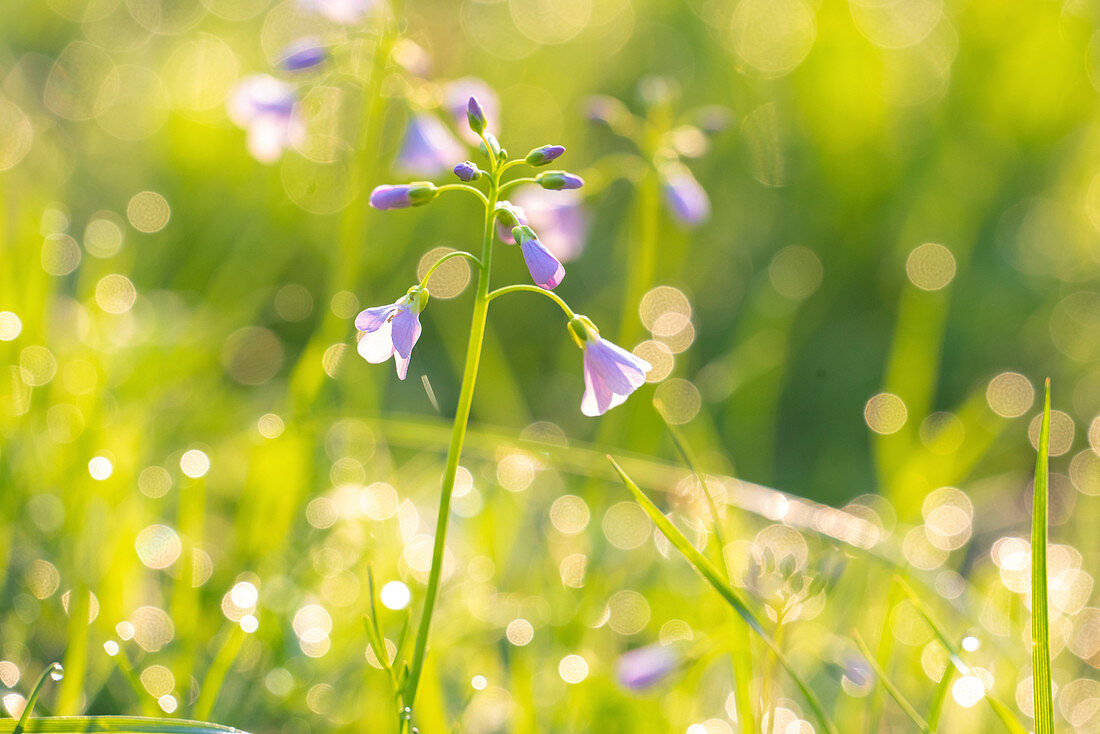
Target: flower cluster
664,143
611,373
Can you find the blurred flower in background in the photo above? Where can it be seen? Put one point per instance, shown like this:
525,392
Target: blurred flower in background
347,12
428,148
264,107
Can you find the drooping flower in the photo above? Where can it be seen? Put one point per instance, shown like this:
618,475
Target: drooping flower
558,180
686,198
428,148
611,373
402,196
544,155
558,216
305,53
347,12
392,330
264,107
467,171
456,100
545,269
644,667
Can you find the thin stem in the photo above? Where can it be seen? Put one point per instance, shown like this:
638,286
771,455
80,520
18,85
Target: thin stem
534,289
516,182
464,187
445,258
512,164
458,435
54,670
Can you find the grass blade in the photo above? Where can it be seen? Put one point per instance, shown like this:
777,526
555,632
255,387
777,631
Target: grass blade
894,691
1040,632
707,569
1000,710
115,725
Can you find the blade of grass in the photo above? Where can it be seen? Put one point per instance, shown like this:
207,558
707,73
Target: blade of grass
1040,632
894,691
935,710
215,676
116,725
741,652
1000,710
714,578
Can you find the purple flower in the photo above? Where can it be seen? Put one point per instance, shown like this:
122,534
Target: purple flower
644,667
305,53
558,180
402,196
475,116
456,100
545,154
558,217
392,330
265,107
685,197
509,216
545,269
610,372
428,148
467,171
347,12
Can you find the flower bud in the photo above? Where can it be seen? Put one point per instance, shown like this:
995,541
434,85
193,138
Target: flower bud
506,215
467,171
402,196
545,154
558,180
475,115
305,53
494,144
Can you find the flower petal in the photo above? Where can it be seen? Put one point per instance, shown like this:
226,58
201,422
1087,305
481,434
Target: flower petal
377,346
406,330
372,318
545,269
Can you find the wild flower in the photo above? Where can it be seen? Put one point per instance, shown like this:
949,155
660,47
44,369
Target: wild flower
303,54
611,373
346,12
428,147
264,107
645,667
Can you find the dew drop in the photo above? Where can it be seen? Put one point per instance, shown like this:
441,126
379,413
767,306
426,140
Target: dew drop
57,672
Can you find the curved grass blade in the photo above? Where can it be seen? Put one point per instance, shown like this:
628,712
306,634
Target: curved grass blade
894,691
935,710
1040,631
115,725
1000,710
53,671
215,676
707,569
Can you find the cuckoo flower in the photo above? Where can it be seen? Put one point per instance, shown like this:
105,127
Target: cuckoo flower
644,667
403,196
305,53
467,171
558,180
347,12
264,107
545,154
392,330
557,216
611,373
685,197
456,100
545,269
428,148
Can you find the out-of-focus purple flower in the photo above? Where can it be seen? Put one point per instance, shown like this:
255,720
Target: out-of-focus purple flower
467,171
392,330
558,180
347,12
558,216
428,148
545,269
263,106
402,196
644,667
305,53
456,100
611,373
412,57
545,154
685,197
475,116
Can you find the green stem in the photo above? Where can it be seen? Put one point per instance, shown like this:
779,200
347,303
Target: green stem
534,289
516,182
463,187
512,164
215,676
458,435
445,258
